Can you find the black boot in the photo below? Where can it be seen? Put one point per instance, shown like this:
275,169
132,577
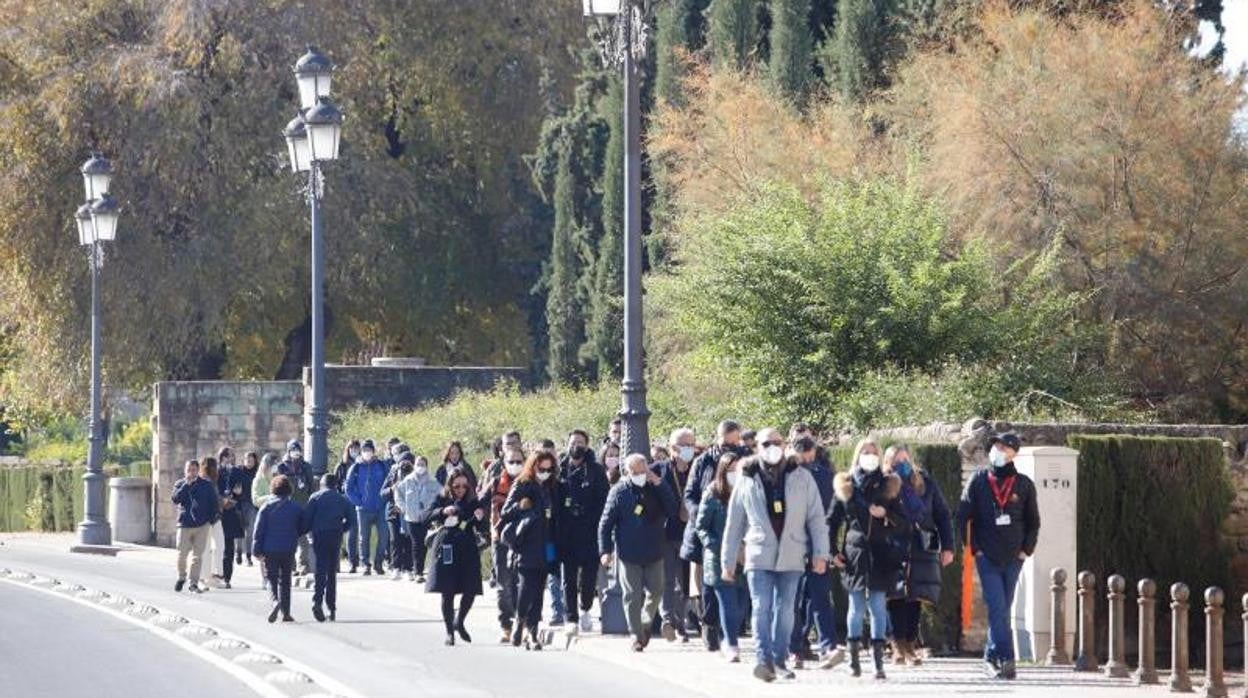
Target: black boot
877,656
517,635
855,645
711,635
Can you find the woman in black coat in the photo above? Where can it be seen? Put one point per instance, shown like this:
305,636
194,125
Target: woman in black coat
931,548
457,568
528,528
873,557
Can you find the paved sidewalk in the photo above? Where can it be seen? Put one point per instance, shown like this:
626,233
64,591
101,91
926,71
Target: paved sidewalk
376,642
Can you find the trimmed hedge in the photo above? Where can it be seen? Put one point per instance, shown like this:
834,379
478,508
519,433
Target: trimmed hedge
50,497
1154,507
941,624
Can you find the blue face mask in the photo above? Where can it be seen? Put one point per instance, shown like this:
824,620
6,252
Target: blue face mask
904,469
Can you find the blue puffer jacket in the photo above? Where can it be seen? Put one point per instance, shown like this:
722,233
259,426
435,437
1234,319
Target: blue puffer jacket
277,527
364,484
198,503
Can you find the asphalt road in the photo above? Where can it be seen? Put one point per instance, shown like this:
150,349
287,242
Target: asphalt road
57,648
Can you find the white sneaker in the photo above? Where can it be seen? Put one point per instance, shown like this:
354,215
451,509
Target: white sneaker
732,654
587,623
411,576
397,575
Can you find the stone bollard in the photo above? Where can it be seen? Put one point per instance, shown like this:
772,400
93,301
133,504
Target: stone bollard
1117,665
1147,673
1087,659
1180,682
1057,620
1215,683
130,509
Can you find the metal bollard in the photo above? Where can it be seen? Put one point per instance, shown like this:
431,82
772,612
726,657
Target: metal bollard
1087,659
1117,665
1147,673
1180,682
1215,682
1057,620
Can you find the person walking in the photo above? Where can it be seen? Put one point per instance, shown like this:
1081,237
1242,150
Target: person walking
609,456
456,571
528,521
416,493
364,490
400,541
633,529
775,510
453,457
276,539
350,454
260,484
197,503
241,481
231,521
814,595
302,483
327,516
213,559
999,520
675,473
495,493
581,497
931,548
877,534
712,515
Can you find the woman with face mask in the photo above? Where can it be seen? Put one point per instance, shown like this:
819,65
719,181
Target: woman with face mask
350,454
415,493
609,456
877,536
732,596
528,529
453,457
457,561
931,548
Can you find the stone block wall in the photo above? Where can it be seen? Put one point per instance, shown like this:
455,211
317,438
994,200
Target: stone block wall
406,387
196,418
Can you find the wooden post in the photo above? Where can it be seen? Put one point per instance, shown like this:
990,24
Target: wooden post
1215,682
1180,682
1117,666
1087,659
1146,674
1058,655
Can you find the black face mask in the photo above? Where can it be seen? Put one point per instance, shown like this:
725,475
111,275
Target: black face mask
578,453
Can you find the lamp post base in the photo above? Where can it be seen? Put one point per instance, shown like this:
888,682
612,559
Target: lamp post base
109,550
94,533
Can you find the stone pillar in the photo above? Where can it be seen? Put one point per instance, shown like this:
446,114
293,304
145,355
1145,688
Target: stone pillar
1058,655
1087,659
1215,683
1180,682
1117,665
1054,470
1147,673
130,509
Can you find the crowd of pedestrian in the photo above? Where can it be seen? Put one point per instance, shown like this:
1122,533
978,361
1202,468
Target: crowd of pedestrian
696,539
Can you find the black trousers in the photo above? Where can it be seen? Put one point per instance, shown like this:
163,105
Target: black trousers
227,564
530,588
400,545
416,532
278,567
905,616
325,546
579,578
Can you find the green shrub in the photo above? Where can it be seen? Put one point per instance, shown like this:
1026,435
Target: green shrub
1153,507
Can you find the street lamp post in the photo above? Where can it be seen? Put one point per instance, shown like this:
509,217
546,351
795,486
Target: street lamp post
312,138
623,44
96,223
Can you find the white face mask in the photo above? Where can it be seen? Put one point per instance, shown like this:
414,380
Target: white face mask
367,456
773,454
686,453
638,479
869,462
733,477
296,455
421,470
996,457
543,476
613,461
513,469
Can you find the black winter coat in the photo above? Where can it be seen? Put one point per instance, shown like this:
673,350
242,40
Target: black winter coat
580,499
530,552
979,510
933,533
456,561
875,550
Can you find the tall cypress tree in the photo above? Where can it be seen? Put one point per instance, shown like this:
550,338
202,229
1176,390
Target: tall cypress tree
732,32
680,30
789,64
564,305
606,329
857,56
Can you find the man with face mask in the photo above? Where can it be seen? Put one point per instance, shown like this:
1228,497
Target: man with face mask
776,512
727,440
999,520
303,484
580,452
509,441
633,528
814,596
326,518
675,473
581,496
364,485
495,491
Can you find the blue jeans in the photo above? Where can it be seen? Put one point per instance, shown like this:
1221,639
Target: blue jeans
859,602
814,609
732,599
998,583
774,595
371,519
558,604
